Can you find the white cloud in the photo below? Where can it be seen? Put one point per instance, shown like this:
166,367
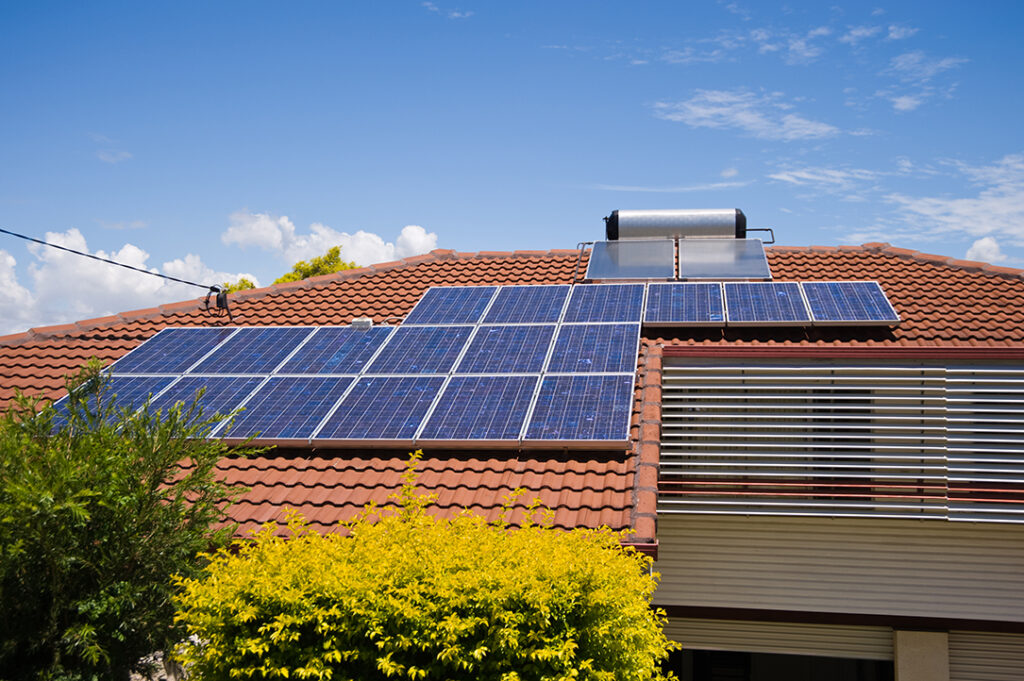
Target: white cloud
801,49
683,189
826,179
125,224
996,210
916,66
729,172
859,33
742,12
901,32
451,14
16,302
765,116
65,287
111,156
986,249
906,102
278,234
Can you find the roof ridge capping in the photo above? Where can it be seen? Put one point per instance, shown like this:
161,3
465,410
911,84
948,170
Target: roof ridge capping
435,255
909,254
969,265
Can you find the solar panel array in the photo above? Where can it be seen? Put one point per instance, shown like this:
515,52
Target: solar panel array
469,365
769,304
510,365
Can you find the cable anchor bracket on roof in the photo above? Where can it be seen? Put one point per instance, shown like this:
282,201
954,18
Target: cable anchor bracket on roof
220,302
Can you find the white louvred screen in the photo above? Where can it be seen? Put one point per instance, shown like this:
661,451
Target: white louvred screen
926,441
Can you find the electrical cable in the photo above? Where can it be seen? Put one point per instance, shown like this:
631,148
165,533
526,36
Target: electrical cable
211,289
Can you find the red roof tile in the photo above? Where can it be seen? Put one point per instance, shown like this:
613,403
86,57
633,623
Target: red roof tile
944,304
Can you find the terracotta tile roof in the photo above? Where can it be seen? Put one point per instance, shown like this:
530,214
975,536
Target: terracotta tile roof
944,303
585,489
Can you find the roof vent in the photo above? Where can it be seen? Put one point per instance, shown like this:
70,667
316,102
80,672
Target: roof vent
647,224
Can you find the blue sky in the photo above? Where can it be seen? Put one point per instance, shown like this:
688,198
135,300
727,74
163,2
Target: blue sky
208,140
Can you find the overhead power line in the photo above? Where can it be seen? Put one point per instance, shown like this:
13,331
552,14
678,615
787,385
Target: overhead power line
212,289
221,300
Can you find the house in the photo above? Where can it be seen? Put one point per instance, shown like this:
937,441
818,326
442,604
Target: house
824,502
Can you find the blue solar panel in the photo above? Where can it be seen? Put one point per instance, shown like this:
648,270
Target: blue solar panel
587,408
221,395
527,305
125,392
481,408
849,302
451,305
685,304
587,348
605,303
507,350
421,350
288,408
253,351
336,350
383,408
765,304
171,351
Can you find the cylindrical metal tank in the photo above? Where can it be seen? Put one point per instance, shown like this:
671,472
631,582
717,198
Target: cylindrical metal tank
645,224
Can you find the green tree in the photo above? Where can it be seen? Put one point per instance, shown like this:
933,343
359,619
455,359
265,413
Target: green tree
99,507
243,284
328,263
404,595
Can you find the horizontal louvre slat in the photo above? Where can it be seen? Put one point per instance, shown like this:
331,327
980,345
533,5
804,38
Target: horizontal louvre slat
738,438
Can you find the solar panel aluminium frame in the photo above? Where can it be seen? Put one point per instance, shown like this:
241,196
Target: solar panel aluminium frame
568,302
483,313
613,445
558,320
696,324
465,443
310,332
258,441
112,369
766,323
558,334
347,443
852,322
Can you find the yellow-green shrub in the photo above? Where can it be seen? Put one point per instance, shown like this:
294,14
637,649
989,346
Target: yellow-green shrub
409,596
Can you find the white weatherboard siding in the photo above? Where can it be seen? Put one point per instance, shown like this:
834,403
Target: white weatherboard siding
843,565
855,642
981,656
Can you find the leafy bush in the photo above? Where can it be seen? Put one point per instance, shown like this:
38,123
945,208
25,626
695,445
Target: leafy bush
96,515
408,596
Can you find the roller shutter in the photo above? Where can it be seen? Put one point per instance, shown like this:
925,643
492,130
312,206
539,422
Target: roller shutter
981,656
853,642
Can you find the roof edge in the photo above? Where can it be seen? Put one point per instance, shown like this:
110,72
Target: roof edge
436,255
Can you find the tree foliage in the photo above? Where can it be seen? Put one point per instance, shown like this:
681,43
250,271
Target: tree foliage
404,595
328,263
99,507
243,284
